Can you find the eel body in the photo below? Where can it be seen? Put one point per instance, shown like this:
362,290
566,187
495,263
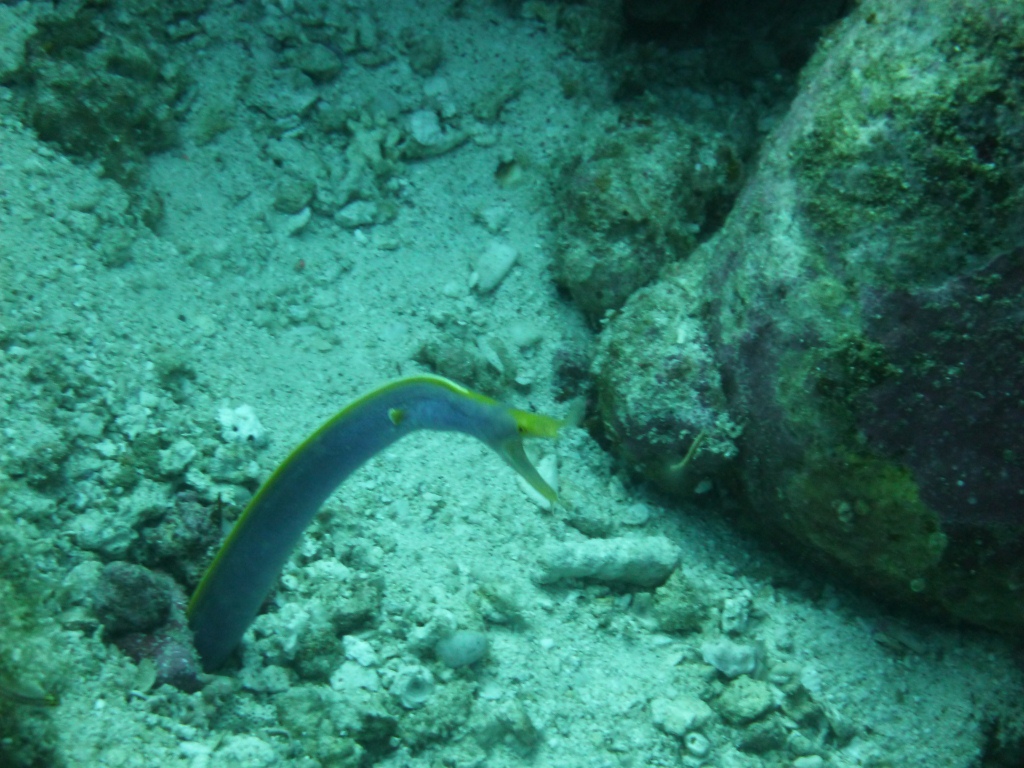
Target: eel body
249,561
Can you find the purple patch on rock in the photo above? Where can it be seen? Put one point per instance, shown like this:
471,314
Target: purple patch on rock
171,651
955,412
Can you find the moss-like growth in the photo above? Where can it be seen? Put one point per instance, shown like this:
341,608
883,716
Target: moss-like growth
638,200
101,88
859,314
678,606
31,664
660,388
446,711
879,523
897,144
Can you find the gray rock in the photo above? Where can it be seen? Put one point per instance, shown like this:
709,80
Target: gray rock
493,265
358,213
645,561
319,62
745,700
130,598
729,658
679,716
293,194
461,648
428,138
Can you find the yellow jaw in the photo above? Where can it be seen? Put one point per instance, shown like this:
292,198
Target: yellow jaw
536,424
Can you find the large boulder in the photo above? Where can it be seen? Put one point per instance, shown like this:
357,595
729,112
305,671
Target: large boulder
848,351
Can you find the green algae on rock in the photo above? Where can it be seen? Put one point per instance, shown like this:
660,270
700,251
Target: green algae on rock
636,201
856,315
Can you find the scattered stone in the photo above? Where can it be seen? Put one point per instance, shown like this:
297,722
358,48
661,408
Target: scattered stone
175,460
525,335
440,625
359,651
494,218
764,736
736,613
318,61
97,532
506,721
729,658
446,714
246,750
428,138
130,598
425,127
352,676
358,213
295,223
424,50
285,94
797,743
492,101
680,716
293,193
492,266
744,700
646,561
636,514
89,425
461,648
679,606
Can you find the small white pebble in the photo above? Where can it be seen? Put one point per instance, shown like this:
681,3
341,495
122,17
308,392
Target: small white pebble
808,761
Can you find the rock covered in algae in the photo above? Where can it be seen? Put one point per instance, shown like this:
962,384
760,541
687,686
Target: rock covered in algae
859,315
130,598
634,202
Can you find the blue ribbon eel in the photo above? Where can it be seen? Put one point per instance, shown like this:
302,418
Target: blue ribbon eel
241,575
